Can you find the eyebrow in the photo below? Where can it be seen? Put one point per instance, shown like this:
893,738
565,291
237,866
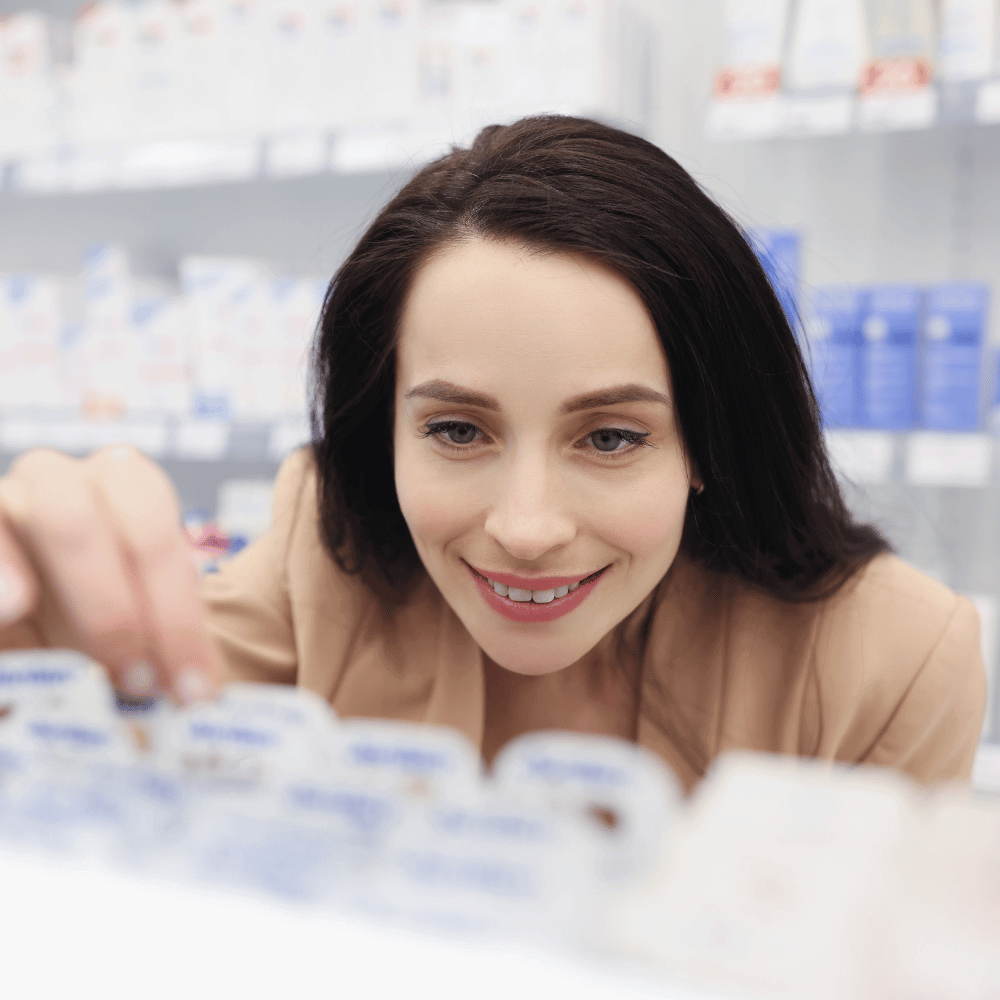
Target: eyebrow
449,392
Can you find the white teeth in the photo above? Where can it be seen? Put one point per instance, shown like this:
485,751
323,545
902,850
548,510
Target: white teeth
538,596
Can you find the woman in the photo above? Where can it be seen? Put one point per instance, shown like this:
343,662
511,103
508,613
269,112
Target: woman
567,472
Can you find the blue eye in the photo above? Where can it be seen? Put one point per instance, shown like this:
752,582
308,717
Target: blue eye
632,437
443,430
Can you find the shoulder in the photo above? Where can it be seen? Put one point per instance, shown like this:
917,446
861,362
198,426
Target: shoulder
886,670
901,672
294,485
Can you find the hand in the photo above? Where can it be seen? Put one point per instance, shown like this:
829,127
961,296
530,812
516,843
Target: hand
94,550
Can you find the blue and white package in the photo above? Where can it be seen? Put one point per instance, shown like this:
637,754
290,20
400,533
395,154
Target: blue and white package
889,357
953,356
249,737
493,867
835,341
627,790
778,250
411,759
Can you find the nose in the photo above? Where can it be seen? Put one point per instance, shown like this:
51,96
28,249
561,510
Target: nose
530,514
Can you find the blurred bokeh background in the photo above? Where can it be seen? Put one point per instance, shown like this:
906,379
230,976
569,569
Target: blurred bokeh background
180,178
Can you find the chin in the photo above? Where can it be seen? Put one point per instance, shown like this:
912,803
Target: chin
536,666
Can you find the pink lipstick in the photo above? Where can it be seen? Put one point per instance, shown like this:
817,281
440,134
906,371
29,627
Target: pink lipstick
529,611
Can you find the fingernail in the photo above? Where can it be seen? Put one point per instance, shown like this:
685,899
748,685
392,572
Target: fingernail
13,595
140,679
192,685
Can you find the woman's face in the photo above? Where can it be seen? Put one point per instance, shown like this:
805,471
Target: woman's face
503,465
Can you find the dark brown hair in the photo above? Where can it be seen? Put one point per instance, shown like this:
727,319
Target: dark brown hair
772,513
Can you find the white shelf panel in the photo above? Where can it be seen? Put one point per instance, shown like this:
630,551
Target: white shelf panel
861,456
943,459
201,440
788,115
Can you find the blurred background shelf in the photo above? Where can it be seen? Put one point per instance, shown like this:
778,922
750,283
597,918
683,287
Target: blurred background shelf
889,189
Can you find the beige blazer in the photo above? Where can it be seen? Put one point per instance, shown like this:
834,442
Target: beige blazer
888,671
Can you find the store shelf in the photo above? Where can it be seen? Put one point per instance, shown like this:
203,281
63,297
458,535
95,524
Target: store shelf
986,770
158,436
789,116
929,458
185,163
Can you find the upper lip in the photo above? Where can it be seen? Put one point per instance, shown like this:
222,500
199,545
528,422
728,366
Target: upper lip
532,582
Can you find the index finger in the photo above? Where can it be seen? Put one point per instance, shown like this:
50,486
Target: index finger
143,508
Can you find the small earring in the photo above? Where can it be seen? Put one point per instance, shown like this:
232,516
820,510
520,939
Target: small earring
701,489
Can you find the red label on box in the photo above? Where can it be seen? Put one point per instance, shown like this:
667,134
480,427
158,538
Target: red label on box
748,81
883,75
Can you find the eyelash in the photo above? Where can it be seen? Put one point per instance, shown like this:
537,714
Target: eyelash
634,438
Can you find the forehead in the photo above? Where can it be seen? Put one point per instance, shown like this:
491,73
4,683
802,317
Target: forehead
479,299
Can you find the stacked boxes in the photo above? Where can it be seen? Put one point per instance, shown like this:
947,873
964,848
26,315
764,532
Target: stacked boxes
900,357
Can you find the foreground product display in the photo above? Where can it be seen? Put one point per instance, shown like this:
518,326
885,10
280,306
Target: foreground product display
573,863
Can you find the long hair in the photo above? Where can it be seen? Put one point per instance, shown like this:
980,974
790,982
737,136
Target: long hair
772,512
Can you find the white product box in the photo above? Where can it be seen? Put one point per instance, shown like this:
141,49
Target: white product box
32,371
242,83
967,38
108,352
291,64
160,327
234,341
532,75
154,89
899,29
27,93
345,41
98,85
755,32
202,61
393,48
297,306
828,45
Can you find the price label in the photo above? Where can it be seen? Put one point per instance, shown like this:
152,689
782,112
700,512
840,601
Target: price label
884,110
949,459
818,116
297,155
861,456
737,118
988,103
201,439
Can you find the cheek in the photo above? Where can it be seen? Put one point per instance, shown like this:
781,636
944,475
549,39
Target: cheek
431,510
648,522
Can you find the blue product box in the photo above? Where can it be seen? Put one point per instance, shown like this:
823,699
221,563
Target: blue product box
834,349
889,357
778,250
953,356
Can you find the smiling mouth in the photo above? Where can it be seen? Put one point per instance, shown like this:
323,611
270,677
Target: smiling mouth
586,579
